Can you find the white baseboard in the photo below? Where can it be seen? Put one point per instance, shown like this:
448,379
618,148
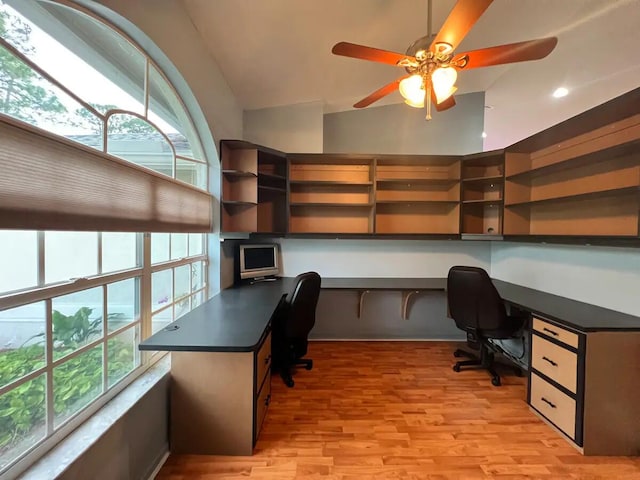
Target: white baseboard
156,470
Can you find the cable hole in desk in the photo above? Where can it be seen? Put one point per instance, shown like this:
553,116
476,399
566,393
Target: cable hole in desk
171,328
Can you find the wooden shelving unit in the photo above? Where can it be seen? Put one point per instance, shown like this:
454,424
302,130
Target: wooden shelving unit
586,185
482,193
417,194
330,194
254,188
576,181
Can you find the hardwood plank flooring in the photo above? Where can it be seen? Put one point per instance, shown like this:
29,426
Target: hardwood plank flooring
396,410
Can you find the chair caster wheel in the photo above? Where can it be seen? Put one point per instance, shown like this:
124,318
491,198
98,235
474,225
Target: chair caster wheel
495,381
457,354
309,366
456,368
289,383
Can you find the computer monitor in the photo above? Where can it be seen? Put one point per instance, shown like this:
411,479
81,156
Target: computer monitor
258,261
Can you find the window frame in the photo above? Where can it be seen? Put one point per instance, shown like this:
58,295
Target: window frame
143,272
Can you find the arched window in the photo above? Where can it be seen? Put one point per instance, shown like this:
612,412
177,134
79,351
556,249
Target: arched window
75,304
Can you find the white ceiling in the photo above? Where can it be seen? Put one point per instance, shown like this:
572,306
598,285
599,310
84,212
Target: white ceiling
278,52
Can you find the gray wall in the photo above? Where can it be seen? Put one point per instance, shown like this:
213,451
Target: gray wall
605,276
291,129
133,446
401,129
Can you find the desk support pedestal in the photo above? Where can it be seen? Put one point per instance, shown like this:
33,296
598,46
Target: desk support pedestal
212,403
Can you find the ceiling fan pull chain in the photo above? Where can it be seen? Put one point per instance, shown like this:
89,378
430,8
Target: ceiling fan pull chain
429,20
428,99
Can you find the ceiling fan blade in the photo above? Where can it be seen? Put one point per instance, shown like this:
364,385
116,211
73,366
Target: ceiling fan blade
378,94
368,53
445,104
511,53
464,15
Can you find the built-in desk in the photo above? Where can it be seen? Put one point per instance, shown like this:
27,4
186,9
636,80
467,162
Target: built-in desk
583,377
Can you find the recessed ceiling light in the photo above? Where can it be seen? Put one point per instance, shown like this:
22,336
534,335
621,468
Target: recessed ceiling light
560,92
484,134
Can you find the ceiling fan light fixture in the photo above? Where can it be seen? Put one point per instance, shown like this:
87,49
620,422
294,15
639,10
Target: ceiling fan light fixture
412,89
443,80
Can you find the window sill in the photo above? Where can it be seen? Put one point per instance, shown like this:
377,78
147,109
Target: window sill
71,448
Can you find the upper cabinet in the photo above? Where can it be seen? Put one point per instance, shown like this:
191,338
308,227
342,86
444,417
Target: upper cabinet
482,193
417,194
330,194
579,178
254,188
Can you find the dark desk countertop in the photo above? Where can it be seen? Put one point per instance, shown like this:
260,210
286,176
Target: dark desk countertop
235,319
582,316
232,321
385,283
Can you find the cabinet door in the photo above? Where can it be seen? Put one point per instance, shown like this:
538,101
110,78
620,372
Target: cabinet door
262,404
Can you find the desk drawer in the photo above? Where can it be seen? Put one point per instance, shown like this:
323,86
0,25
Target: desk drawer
262,405
559,408
263,361
555,362
554,331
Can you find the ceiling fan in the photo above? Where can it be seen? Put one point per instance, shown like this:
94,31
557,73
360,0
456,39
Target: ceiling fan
431,63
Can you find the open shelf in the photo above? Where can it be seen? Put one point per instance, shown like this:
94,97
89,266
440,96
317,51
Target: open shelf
331,219
254,188
484,180
237,202
238,173
328,182
617,140
484,200
593,194
328,204
414,202
617,173
418,218
272,189
481,218
415,181
598,215
271,176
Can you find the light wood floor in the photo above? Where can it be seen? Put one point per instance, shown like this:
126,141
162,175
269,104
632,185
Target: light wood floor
396,410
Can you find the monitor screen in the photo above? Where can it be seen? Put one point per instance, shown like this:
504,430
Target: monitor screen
259,258
259,261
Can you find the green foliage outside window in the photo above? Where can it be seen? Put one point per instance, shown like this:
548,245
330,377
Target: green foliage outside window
76,381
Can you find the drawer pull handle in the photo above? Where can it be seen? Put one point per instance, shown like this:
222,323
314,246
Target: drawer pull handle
548,402
267,359
555,334
550,361
267,400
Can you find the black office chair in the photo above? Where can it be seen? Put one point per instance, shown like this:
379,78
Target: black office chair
476,307
292,321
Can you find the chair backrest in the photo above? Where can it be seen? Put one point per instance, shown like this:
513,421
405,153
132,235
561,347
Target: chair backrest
473,300
302,302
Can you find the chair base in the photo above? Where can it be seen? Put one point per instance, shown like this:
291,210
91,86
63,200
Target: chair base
285,371
485,361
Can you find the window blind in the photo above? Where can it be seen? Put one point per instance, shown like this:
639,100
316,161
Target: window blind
48,182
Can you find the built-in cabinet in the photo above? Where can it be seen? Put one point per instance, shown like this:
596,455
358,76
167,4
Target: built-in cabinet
482,193
579,382
580,178
254,188
417,194
219,399
331,194
584,185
